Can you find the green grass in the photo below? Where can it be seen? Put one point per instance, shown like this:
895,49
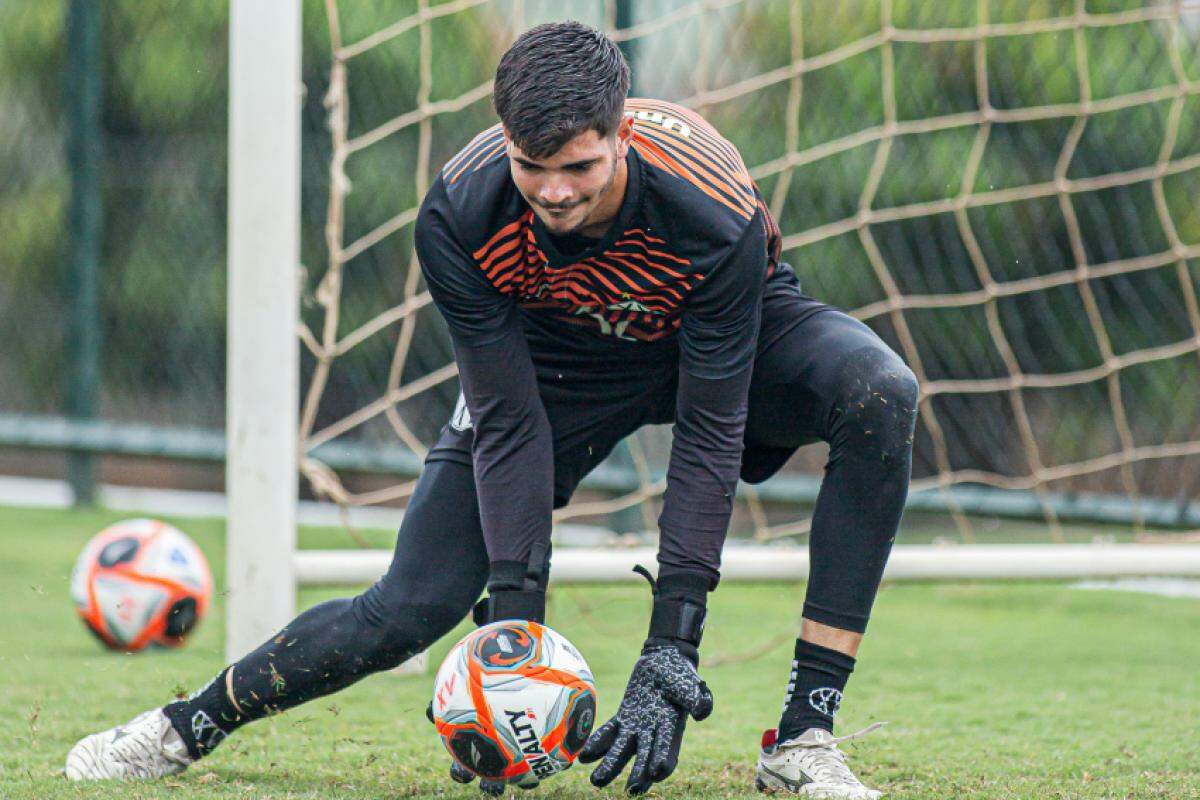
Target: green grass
991,690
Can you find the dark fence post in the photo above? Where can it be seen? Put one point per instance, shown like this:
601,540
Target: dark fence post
624,19
82,289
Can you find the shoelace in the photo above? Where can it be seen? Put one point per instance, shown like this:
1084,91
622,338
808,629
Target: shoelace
825,761
874,726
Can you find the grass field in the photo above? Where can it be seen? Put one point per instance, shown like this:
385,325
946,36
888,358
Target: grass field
991,691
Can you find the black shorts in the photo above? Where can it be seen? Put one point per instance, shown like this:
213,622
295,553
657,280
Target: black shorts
796,375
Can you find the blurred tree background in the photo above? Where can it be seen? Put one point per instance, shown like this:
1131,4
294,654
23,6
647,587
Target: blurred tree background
165,75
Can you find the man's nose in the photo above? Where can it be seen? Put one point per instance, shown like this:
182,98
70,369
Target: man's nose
554,193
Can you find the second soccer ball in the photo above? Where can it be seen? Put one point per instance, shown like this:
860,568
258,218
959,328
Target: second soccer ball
141,583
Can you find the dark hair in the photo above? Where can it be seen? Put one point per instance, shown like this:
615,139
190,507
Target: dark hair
557,81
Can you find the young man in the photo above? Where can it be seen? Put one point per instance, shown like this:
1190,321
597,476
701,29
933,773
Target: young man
604,263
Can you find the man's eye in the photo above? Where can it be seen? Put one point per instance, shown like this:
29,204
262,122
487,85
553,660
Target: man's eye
577,168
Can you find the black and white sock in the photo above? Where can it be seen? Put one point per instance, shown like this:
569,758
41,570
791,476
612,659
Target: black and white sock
207,717
815,687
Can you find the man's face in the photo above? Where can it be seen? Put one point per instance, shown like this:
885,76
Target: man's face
573,188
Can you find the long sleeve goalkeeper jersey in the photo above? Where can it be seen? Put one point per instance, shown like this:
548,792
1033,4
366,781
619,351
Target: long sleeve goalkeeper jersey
670,295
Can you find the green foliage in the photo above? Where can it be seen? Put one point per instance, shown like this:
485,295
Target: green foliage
166,85
29,51
166,66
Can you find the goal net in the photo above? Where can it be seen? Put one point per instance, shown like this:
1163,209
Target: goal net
1004,190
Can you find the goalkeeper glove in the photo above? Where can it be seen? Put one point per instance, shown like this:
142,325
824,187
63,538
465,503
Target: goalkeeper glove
460,774
664,688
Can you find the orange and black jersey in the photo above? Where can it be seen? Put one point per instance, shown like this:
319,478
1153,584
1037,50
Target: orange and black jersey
671,294
689,203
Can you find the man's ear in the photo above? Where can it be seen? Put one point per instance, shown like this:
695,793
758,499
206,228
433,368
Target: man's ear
624,135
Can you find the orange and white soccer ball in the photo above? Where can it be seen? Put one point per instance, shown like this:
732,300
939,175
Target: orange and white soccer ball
514,701
141,582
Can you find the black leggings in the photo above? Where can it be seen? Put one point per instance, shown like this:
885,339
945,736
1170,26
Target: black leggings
832,379
829,378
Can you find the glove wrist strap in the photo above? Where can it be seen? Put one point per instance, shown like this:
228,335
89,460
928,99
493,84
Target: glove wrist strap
527,604
516,589
677,618
679,608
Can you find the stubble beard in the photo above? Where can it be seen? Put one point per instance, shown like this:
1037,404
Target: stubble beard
600,197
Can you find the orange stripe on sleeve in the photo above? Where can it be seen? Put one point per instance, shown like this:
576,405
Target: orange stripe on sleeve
484,154
482,139
737,180
644,144
701,169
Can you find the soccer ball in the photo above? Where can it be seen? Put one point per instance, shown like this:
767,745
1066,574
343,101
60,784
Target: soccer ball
141,582
514,701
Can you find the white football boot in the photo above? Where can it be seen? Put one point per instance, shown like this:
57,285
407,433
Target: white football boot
811,765
145,747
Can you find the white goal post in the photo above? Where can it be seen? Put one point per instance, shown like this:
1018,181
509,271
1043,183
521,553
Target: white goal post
263,399
263,393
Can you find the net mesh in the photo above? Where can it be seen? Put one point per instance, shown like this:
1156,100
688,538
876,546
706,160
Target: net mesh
1004,191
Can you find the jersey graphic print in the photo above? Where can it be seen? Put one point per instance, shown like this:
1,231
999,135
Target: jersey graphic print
634,290
637,287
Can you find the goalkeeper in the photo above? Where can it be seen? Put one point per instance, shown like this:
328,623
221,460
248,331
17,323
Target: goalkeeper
604,263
